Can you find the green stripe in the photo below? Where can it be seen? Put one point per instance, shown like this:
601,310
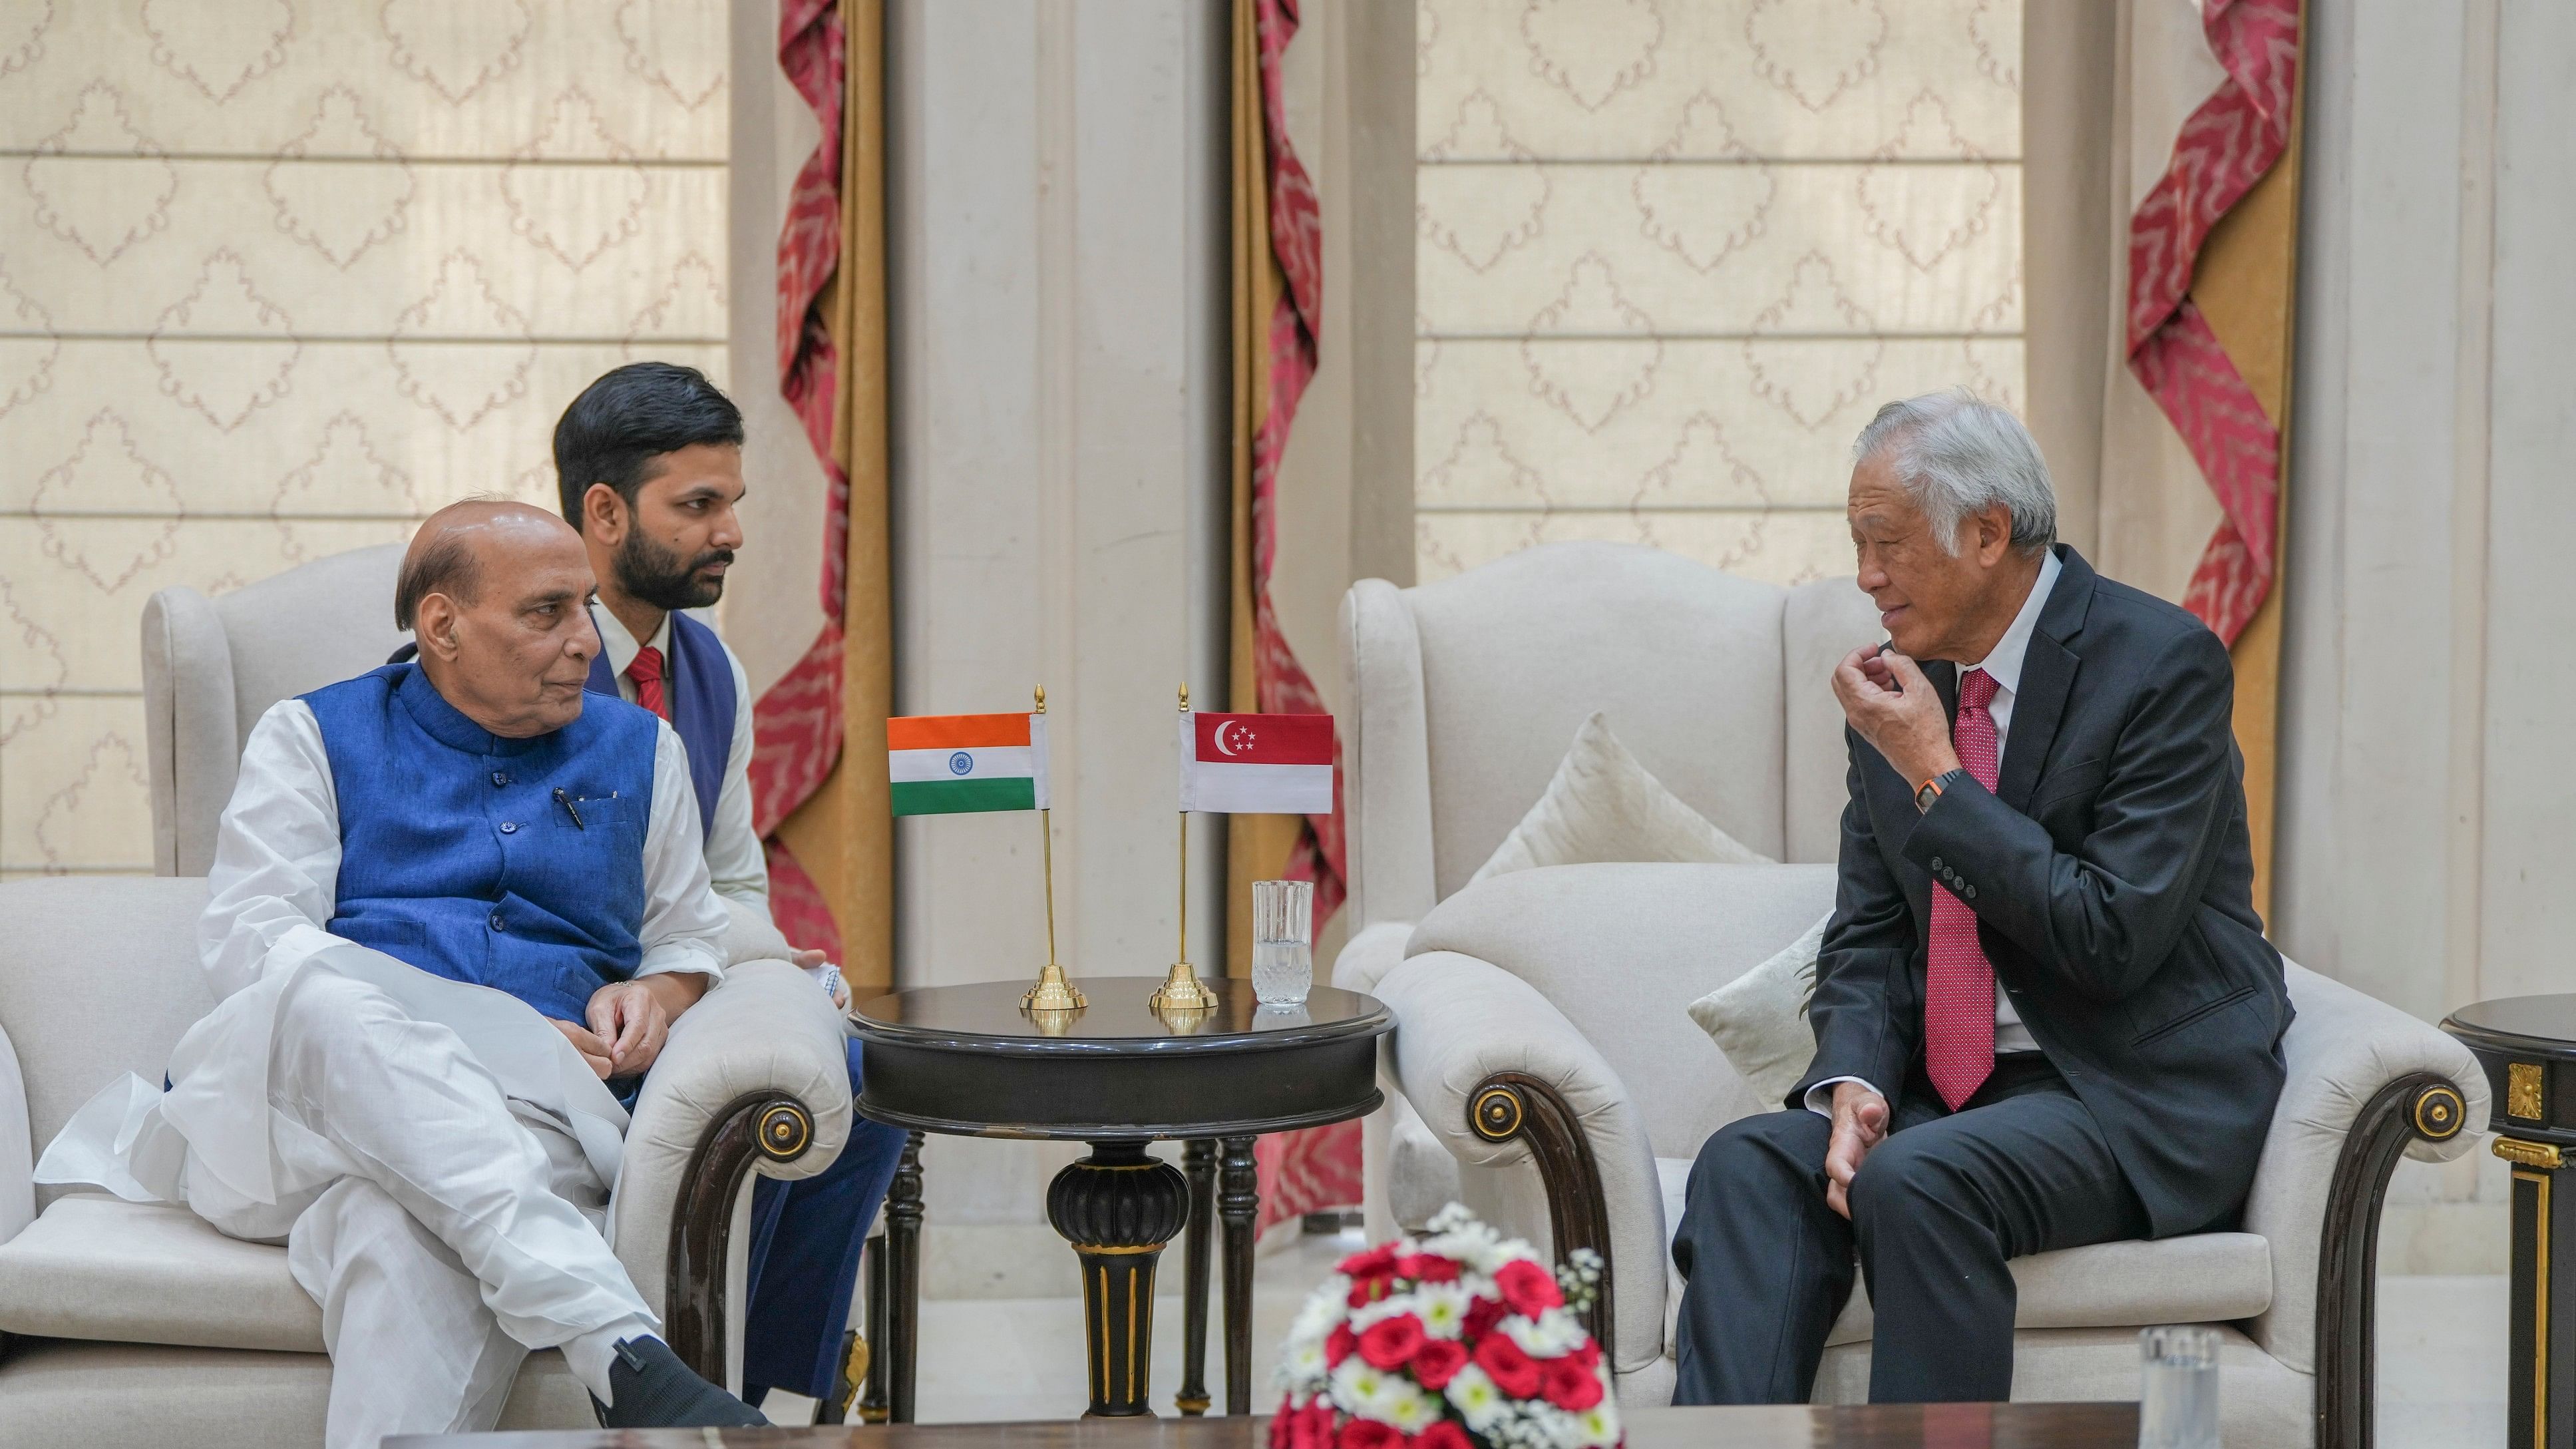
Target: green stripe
958,797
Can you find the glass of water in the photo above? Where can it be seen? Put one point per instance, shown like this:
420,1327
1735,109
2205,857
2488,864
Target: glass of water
1283,941
2178,1404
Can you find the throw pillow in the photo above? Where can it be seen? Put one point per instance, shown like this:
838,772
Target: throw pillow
1604,806
1759,1019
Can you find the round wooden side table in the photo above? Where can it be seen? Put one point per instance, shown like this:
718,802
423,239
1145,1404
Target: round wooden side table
970,1060
2527,1044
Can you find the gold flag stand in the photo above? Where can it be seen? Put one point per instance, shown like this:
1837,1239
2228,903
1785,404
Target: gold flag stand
1181,990
1052,993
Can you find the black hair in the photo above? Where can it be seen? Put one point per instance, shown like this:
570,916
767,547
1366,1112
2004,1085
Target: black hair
612,432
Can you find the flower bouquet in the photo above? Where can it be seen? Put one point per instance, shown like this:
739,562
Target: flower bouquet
1450,1341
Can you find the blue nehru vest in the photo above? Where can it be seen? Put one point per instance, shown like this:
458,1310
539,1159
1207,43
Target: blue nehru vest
697,683
459,851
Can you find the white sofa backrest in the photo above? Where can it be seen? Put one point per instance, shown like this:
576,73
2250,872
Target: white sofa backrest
1823,621
1623,950
212,667
1684,659
98,977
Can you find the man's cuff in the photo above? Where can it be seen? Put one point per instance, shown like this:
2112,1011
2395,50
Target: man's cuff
682,956
1820,1097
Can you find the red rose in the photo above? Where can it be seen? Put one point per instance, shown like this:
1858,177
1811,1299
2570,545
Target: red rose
1443,1434
1370,1434
1281,1426
1390,1342
1437,1362
1376,1262
1589,1355
1530,1289
1428,1268
1313,1428
1570,1386
1482,1315
1513,1372
1338,1345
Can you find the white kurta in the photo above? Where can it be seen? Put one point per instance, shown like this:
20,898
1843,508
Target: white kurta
436,1156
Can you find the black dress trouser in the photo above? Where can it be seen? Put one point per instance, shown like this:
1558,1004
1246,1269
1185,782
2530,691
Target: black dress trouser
1938,1208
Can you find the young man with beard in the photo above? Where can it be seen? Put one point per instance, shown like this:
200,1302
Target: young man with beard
649,463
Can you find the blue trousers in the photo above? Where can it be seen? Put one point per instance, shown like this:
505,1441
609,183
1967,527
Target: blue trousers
805,1241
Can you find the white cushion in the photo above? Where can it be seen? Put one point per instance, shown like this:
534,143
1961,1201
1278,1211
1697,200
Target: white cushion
1759,1019
1602,805
2197,1278
98,1267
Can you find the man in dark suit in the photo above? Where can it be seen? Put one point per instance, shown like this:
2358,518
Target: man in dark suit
2045,1013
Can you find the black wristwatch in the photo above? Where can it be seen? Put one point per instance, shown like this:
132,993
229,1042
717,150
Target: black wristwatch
1933,788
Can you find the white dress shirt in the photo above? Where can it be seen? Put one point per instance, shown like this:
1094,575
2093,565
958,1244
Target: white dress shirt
276,872
735,861
2002,664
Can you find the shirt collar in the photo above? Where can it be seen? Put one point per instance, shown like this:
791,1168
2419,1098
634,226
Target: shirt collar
621,646
2003,662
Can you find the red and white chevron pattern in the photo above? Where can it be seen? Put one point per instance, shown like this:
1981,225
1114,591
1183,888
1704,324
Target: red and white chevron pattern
2225,147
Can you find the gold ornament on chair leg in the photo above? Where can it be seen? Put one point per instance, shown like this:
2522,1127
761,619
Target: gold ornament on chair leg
1053,1000
1181,991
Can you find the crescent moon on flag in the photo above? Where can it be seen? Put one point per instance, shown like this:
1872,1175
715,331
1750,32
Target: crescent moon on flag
1221,747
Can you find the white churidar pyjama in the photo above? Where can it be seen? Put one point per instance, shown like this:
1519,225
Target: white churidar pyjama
449,1230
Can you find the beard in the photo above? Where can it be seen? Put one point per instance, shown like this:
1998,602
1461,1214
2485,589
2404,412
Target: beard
658,576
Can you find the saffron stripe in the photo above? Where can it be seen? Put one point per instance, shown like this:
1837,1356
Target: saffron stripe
956,731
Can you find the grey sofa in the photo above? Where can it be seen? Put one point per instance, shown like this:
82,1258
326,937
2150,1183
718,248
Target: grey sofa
1542,1049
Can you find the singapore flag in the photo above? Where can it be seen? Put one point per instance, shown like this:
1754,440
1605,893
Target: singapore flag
1257,764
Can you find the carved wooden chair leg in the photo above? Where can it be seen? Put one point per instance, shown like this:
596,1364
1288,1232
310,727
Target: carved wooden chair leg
2424,1107
1515,1106
1198,1164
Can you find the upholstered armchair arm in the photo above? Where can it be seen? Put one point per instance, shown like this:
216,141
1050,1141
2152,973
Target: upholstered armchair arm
756,1075
1369,956
17,1147
2367,1083
1503,1078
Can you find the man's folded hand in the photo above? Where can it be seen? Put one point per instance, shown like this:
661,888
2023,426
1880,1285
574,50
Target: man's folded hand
1860,1123
593,1051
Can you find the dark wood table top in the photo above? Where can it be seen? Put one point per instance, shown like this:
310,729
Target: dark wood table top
986,1016
1878,1426
970,1060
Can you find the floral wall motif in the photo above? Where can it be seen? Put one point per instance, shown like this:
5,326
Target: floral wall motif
278,277
1671,254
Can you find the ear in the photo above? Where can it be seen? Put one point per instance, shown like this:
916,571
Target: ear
434,621
603,514
1994,534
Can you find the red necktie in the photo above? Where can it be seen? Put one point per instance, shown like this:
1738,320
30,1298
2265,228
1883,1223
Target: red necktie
1959,985
646,671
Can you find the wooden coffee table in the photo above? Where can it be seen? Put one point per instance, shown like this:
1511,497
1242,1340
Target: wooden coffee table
1882,1426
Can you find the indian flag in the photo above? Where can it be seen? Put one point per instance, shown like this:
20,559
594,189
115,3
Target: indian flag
950,764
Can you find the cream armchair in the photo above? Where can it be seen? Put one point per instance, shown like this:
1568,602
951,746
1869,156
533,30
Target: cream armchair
1463,695
128,1324
1542,1047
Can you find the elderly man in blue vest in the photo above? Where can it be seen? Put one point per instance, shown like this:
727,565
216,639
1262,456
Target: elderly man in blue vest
649,461
449,900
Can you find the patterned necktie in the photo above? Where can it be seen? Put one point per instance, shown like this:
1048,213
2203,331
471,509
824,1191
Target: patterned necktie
1959,985
646,671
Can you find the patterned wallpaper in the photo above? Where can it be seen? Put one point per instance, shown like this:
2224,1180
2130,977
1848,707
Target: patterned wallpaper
277,277
1673,253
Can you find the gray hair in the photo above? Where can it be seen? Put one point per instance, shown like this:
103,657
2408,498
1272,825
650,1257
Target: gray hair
1959,456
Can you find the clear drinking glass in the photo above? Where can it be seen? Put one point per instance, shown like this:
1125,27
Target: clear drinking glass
2178,1404
1283,941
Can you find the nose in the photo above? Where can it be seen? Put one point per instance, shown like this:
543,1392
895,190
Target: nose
728,530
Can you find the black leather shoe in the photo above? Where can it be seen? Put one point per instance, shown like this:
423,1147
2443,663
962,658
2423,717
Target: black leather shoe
656,1391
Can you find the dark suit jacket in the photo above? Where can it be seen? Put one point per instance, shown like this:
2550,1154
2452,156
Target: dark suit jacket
2113,888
